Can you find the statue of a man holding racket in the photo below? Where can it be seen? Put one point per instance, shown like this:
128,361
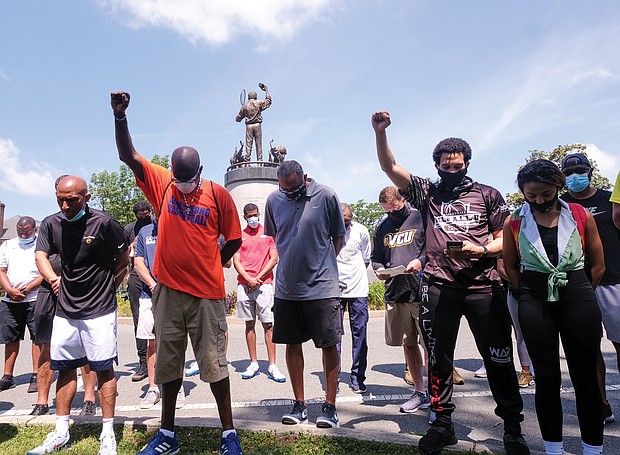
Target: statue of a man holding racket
251,111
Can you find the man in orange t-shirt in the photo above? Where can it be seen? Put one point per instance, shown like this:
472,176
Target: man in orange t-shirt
189,296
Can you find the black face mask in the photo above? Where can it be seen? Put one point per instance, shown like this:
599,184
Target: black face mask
398,216
296,193
347,224
452,179
140,223
545,206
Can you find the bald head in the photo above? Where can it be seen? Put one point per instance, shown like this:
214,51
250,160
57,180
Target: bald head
185,163
72,195
72,183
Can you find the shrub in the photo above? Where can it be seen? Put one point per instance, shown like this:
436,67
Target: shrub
376,290
231,302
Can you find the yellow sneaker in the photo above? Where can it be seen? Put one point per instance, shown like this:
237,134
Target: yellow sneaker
408,377
457,378
525,379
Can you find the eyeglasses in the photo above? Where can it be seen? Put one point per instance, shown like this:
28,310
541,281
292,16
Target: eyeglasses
292,191
192,180
576,170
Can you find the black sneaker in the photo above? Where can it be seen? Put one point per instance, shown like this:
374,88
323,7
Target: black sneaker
608,414
40,410
7,382
89,408
299,414
514,444
328,418
141,373
32,385
437,437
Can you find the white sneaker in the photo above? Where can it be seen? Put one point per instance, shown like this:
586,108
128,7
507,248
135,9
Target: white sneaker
107,444
480,372
53,442
252,371
180,398
274,374
151,398
192,370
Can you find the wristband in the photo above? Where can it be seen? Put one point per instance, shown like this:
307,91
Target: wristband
485,253
120,119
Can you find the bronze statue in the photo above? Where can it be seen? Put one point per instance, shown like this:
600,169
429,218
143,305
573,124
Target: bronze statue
237,156
252,112
276,154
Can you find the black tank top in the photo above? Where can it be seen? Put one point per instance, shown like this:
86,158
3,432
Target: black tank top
549,237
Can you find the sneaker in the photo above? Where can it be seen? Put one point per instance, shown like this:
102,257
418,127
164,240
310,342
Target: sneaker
274,374
89,408
192,370
481,372
525,379
437,437
151,398
32,384
432,416
457,378
251,371
141,373
107,444
40,410
357,386
180,398
161,445
419,400
7,382
53,443
230,445
608,414
328,418
514,444
298,415
408,378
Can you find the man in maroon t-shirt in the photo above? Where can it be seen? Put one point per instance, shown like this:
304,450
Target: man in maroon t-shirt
464,221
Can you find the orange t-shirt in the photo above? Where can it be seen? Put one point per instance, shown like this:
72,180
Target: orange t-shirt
188,256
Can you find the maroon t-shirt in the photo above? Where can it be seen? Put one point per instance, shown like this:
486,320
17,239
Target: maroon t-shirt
472,215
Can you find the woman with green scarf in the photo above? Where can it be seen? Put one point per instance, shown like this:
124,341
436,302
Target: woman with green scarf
547,246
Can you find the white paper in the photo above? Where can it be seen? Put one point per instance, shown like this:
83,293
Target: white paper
392,271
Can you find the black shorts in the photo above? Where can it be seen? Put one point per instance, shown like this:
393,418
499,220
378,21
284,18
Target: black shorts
44,310
14,318
296,322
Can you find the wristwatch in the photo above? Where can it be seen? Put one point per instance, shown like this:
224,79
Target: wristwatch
485,253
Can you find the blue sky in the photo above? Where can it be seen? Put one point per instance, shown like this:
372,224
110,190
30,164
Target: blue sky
506,76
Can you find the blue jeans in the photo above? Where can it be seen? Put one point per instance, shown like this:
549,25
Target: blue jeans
358,320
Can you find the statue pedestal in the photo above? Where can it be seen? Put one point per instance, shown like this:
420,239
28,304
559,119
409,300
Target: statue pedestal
249,182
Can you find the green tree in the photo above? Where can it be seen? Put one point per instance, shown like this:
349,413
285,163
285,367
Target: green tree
557,155
117,192
367,213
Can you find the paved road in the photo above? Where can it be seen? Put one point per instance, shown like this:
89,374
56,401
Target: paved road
259,402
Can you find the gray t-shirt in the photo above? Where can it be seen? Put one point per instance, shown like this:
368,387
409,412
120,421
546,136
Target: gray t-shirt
303,229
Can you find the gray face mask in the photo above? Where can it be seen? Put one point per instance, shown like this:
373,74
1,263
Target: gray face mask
186,187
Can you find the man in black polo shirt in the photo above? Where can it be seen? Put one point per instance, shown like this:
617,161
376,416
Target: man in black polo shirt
460,280
93,250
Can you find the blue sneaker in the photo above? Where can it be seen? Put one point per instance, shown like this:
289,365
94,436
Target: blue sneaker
230,445
161,445
192,370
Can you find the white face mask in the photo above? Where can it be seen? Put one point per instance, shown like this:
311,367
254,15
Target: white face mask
186,187
253,222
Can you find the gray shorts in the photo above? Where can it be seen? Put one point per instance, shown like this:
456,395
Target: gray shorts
258,302
296,322
401,324
608,297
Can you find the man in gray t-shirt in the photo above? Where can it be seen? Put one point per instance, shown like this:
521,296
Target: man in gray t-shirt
306,221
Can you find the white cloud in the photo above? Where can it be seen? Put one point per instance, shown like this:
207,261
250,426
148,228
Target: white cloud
218,22
30,179
607,163
4,76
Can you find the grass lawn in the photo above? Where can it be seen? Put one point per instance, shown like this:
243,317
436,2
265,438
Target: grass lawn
18,439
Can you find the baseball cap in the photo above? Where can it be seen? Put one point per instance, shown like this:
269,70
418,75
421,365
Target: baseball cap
575,159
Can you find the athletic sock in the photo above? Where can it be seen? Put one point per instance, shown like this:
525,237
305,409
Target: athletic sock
591,450
168,433
554,447
62,424
227,432
108,426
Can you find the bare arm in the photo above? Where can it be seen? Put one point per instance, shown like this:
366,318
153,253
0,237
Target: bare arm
273,260
398,175
120,269
143,272
338,243
124,144
253,282
616,213
594,250
15,294
510,255
46,270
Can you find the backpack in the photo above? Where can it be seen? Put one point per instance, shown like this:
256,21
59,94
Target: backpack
577,210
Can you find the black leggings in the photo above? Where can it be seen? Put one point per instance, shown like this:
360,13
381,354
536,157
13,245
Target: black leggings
487,313
576,319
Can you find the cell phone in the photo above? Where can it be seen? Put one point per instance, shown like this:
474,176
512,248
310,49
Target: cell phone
454,245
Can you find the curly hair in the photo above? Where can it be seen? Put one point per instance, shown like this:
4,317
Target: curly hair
452,145
541,171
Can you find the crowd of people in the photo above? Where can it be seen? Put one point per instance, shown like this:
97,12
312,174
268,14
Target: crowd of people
445,250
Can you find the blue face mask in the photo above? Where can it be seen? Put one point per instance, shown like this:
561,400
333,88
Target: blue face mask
577,182
78,216
28,241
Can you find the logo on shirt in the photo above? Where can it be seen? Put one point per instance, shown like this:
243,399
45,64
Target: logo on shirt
89,239
456,216
593,211
396,239
196,215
